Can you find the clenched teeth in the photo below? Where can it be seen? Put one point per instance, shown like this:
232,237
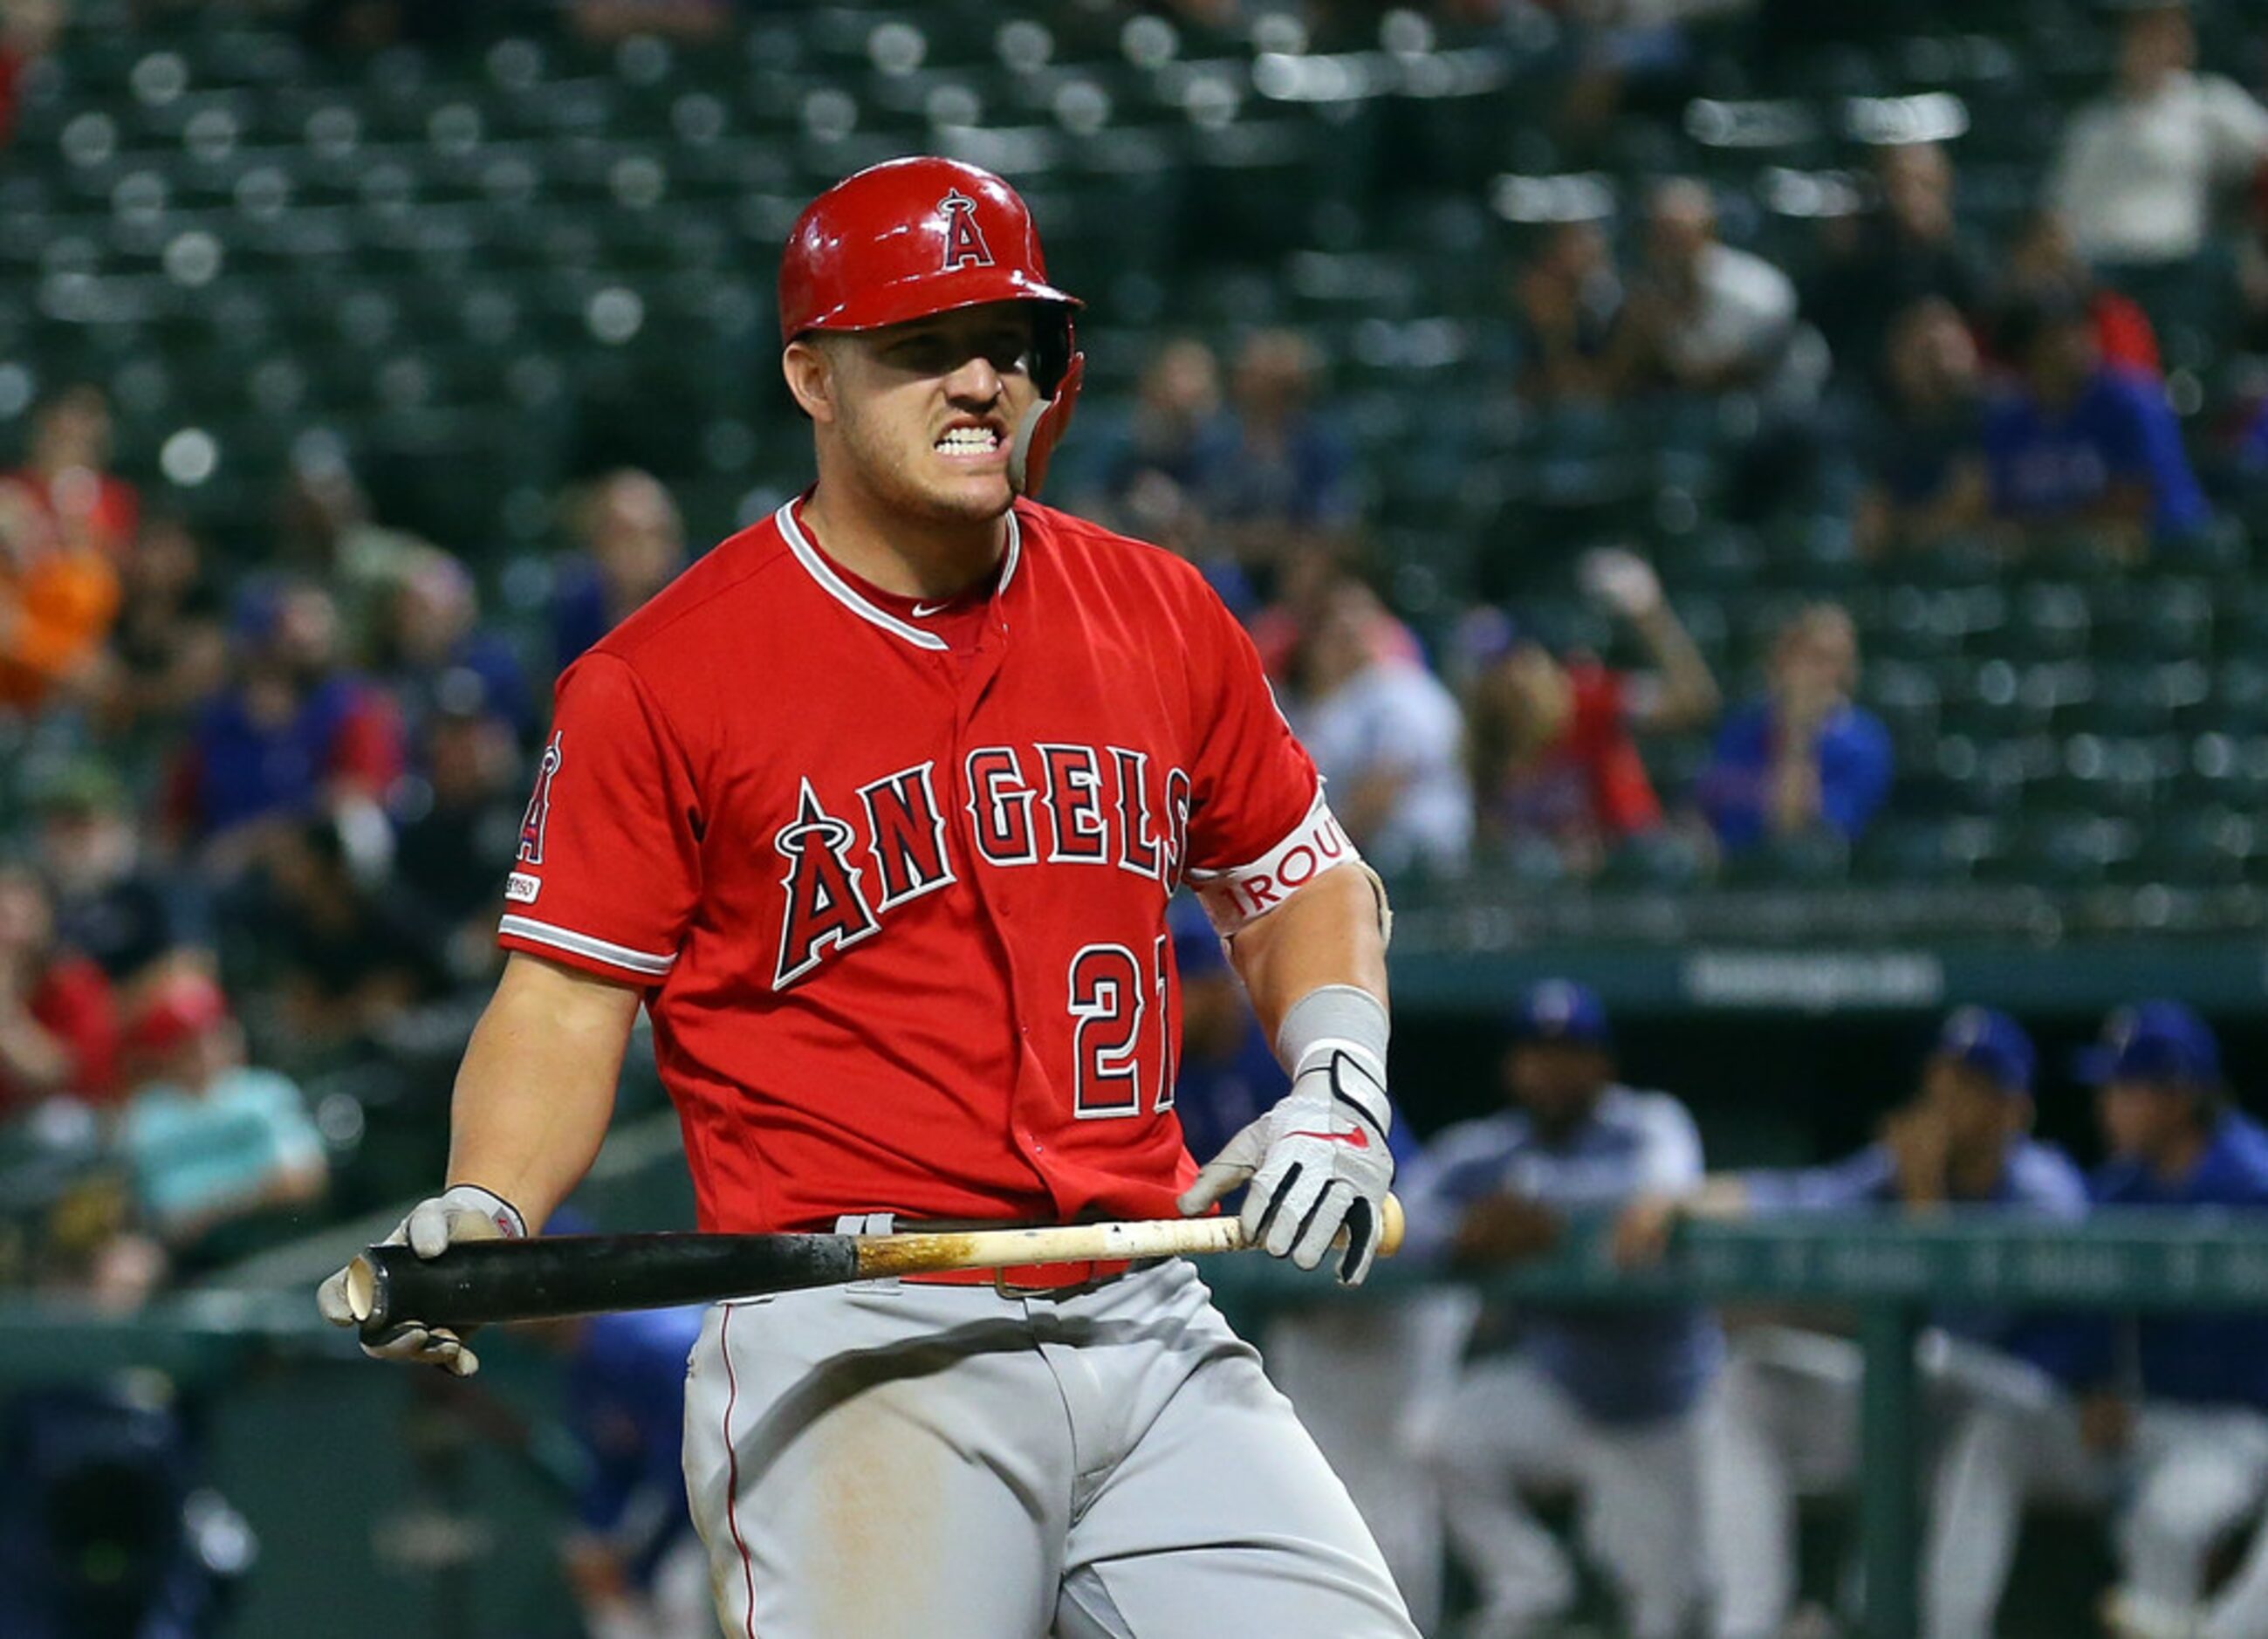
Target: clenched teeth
969,441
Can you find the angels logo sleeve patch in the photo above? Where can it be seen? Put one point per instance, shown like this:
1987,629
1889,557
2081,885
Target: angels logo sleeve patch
608,864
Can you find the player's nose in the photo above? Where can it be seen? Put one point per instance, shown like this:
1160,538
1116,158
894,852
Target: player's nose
975,381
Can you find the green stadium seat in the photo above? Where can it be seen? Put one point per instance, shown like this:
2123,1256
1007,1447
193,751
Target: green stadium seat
2210,846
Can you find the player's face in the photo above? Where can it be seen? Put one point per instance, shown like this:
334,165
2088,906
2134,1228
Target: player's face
1978,1114
2140,1120
924,412
1556,1082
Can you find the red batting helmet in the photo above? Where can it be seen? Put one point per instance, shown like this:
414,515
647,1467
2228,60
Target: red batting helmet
910,238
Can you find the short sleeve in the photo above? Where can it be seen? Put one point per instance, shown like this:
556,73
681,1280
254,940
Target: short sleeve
1854,771
1259,828
1669,1158
2238,125
608,865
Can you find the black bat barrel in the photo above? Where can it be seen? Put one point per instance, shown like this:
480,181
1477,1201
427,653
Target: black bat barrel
554,1275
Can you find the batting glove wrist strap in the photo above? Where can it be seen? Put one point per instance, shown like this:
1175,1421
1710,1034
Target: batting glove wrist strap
459,1198
1338,1018
1317,1164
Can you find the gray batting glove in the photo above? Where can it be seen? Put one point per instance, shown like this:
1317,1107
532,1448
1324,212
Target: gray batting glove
463,1211
1318,1164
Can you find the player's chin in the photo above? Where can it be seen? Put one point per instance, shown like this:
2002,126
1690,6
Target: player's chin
976,496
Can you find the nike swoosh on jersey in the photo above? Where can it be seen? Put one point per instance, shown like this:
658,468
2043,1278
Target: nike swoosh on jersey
922,611
1356,1138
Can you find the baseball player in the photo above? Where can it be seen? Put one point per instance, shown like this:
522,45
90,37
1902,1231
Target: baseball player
1787,1410
1603,1400
877,809
632,1560
2181,1399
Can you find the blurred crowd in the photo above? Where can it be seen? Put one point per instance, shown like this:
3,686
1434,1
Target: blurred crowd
1909,385
272,811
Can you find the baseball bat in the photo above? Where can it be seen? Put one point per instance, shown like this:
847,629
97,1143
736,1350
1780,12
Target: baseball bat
550,1276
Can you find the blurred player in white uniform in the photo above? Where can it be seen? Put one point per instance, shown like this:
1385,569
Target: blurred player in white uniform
1786,1418
1604,1400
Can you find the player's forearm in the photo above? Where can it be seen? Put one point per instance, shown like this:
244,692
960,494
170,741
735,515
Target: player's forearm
537,1085
1689,695
1793,799
1327,934
1721,1197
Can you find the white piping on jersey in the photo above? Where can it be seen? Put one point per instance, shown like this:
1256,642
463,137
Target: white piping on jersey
584,945
840,590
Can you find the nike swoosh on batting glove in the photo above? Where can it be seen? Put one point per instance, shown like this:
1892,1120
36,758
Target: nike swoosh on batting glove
1317,1163
463,1211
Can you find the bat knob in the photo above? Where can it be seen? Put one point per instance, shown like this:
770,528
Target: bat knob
362,1289
1391,1226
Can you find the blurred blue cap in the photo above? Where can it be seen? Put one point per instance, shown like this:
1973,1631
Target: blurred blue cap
1989,1040
2164,1042
1560,1010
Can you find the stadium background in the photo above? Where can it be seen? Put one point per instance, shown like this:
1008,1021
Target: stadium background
383,295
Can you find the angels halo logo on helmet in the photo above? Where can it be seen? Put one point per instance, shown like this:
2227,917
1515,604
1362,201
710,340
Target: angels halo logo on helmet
910,237
964,240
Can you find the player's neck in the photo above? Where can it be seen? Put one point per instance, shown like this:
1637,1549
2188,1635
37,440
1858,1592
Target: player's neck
902,556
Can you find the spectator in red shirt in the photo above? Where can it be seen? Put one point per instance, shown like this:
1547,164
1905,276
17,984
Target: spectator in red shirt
1554,757
66,469
27,30
2041,260
1311,574
58,1020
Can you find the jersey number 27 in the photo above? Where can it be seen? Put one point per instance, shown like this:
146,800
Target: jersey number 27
1123,1019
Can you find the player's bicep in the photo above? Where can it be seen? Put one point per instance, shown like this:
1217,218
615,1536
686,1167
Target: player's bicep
1260,828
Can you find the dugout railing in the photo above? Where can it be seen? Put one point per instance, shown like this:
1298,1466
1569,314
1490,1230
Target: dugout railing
1889,1274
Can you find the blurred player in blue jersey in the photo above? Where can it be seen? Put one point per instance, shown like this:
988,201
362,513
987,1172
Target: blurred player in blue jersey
1786,1419
1604,1400
631,1558
2178,1401
1361,1376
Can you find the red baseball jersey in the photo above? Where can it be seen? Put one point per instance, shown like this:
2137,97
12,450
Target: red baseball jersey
900,901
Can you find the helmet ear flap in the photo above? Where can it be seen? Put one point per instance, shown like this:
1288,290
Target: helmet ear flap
1051,346
1043,425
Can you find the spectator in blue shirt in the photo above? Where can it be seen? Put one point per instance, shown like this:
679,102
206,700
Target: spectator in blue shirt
2180,1397
1272,469
634,546
1926,459
1804,758
1788,1415
1608,1400
210,1141
2077,444
429,631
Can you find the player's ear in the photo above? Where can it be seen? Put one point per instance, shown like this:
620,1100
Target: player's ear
808,366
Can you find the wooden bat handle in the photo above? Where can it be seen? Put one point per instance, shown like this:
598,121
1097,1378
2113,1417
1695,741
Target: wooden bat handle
925,1252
